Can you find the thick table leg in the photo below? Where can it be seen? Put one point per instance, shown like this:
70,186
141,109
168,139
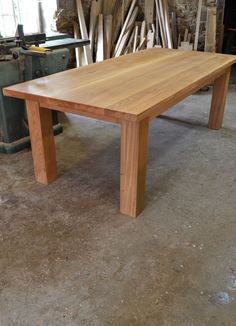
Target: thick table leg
220,89
42,142
134,148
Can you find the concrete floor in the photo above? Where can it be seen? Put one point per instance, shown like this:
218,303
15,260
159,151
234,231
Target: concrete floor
68,257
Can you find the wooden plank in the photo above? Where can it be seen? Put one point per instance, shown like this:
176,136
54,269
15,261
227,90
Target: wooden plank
198,19
78,53
165,11
143,31
84,33
107,35
149,12
130,43
100,40
119,11
161,24
134,148
96,8
42,142
135,45
125,27
220,88
127,32
210,39
141,45
174,30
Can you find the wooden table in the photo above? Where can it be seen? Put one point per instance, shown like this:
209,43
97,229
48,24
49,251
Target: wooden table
129,90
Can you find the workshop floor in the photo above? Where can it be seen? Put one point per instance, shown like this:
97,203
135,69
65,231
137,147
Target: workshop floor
68,257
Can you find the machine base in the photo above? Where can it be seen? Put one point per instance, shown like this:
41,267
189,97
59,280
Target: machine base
18,145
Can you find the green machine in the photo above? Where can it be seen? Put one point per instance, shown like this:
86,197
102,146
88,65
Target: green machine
17,64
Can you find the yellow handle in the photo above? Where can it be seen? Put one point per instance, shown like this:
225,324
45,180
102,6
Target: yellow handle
37,49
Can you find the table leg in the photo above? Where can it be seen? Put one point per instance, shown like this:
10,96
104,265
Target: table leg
220,89
134,148
42,142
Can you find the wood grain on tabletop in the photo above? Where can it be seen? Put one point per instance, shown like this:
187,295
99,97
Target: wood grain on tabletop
131,87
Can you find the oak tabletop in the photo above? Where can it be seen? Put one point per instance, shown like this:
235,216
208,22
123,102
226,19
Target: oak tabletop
131,87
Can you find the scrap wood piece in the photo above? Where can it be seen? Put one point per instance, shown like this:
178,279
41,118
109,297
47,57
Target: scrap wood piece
127,20
107,35
199,11
96,9
127,32
100,40
84,32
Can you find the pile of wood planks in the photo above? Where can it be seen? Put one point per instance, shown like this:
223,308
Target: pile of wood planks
115,28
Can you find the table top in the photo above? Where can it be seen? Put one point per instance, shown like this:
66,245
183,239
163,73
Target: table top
132,87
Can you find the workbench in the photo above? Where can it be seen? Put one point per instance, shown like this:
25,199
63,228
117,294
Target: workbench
129,90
